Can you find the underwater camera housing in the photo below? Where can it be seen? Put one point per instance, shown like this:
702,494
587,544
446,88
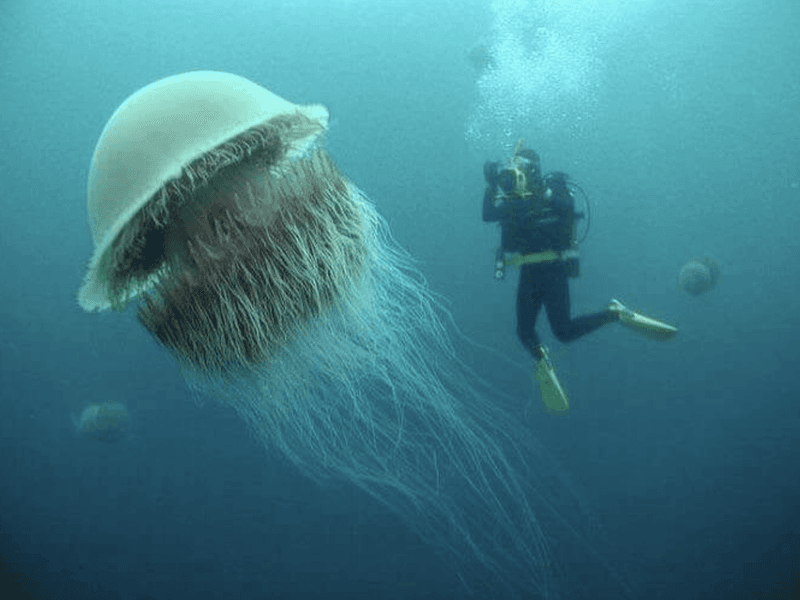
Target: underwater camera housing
513,181
520,178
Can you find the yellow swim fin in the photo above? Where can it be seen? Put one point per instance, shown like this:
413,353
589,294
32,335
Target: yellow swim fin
638,323
554,397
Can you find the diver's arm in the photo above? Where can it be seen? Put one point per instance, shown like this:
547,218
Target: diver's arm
491,212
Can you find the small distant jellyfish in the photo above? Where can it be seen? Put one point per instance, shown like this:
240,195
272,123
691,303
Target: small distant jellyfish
104,422
698,276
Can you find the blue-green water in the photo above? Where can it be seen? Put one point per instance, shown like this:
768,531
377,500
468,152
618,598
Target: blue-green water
681,120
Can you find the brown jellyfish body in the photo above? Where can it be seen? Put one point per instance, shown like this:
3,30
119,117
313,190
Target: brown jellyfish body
698,276
276,285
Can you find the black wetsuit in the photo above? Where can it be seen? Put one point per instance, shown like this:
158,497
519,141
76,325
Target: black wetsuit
532,225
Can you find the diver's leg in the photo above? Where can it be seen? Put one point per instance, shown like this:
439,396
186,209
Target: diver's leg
533,288
529,303
557,304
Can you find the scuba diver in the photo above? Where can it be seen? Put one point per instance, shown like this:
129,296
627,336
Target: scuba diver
539,234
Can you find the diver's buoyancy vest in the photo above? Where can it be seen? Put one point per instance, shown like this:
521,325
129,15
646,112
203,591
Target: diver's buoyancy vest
541,222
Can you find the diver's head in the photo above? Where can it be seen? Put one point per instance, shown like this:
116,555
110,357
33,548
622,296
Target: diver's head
528,161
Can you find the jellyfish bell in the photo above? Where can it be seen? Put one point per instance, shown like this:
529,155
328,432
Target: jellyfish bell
277,287
698,276
138,161
107,422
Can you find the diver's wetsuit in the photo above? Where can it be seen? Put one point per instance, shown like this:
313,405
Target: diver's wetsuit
529,226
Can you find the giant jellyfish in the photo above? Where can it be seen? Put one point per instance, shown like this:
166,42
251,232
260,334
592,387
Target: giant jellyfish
272,280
